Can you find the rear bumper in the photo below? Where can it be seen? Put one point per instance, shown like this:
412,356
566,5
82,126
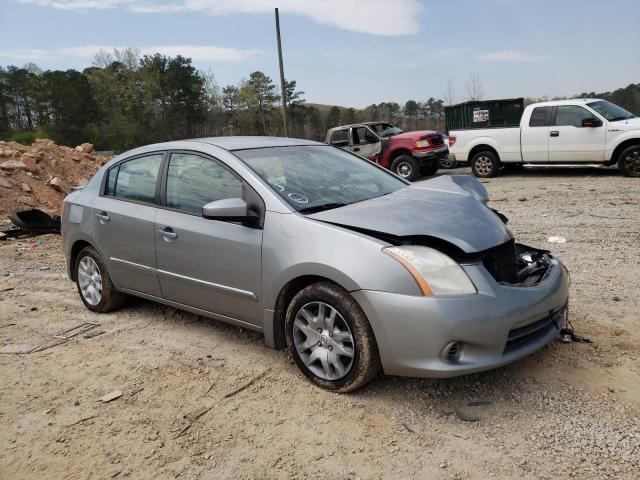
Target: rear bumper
430,154
496,326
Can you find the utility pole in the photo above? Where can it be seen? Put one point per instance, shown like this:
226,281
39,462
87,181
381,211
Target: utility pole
282,84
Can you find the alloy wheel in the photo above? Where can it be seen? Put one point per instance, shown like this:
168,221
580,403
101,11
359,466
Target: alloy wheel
323,341
90,280
632,161
484,165
404,169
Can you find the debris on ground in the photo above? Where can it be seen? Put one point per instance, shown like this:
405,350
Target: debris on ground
77,330
42,174
111,396
556,239
30,222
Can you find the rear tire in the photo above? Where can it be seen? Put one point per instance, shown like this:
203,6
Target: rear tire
485,164
330,339
430,168
406,166
629,161
94,283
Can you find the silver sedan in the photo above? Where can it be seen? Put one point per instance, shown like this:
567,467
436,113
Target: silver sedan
349,267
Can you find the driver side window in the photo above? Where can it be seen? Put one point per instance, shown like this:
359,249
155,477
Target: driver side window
193,181
571,115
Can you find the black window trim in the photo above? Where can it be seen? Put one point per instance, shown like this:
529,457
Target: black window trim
550,111
249,194
116,166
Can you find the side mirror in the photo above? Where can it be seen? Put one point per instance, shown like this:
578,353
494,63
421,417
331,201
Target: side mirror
230,210
591,122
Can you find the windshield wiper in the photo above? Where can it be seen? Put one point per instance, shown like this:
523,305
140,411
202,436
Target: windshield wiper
321,208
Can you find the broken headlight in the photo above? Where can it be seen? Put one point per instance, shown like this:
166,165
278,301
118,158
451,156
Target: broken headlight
434,272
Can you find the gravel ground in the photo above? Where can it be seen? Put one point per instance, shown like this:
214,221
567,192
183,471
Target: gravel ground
568,411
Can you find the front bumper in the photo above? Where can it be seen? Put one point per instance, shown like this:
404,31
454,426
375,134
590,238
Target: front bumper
496,326
429,154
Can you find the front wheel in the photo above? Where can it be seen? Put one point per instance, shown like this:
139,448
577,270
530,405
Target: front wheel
94,283
330,339
629,161
485,164
406,166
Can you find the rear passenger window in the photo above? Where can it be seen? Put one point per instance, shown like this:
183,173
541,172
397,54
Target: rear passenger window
540,117
571,115
340,138
193,181
135,179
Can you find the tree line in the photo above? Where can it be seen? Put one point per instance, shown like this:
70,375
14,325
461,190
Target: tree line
126,99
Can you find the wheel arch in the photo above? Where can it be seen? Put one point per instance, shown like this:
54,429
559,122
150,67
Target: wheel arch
399,152
283,299
482,147
622,146
76,248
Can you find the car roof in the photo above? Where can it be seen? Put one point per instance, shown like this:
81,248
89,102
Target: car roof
570,101
361,124
248,142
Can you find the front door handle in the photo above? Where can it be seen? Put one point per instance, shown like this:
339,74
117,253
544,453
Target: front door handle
168,233
555,133
103,216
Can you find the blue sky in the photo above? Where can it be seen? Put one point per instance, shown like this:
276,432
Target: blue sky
350,52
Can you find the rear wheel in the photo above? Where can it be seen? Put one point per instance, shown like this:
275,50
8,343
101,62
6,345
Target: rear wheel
629,161
94,284
485,164
406,167
330,338
447,163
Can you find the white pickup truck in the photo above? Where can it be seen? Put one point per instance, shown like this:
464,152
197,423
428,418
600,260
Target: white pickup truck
561,132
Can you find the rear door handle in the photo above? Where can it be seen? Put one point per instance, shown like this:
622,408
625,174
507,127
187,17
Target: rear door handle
168,233
103,216
555,133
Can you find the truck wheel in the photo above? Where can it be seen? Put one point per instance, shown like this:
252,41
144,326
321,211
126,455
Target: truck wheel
629,161
446,162
430,168
406,167
485,164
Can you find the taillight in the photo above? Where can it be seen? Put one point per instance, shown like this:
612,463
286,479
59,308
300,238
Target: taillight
452,140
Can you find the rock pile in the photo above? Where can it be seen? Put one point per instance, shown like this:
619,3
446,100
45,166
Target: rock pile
42,174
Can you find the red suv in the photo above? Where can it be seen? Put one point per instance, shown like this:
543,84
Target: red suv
407,154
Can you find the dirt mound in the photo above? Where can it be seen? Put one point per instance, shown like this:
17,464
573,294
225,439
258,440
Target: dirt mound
42,174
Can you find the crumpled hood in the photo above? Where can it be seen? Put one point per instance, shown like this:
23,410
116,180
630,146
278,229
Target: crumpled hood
449,208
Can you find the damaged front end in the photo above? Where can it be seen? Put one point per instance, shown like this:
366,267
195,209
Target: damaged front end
515,264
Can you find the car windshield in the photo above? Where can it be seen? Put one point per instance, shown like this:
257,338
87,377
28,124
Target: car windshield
610,111
391,131
315,178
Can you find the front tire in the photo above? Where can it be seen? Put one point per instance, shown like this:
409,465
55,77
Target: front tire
406,166
485,164
330,339
94,283
629,161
